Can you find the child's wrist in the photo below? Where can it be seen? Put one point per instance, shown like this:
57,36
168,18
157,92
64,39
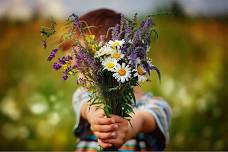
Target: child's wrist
140,121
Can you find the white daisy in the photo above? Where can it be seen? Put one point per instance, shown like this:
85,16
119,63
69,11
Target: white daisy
117,55
109,64
122,73
140,73
116,44
105,50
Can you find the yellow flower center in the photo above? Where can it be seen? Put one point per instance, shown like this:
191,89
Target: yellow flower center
140,70
110,65
122,72
116,55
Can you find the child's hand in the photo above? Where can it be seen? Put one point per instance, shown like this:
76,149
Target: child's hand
121,133
104,128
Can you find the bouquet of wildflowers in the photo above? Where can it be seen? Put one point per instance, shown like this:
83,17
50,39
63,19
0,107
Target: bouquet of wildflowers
109,70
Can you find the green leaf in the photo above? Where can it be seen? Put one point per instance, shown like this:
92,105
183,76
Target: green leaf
107,110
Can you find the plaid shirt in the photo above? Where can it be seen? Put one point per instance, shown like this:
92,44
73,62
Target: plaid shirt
156,140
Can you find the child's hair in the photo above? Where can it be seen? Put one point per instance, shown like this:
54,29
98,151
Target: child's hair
102,19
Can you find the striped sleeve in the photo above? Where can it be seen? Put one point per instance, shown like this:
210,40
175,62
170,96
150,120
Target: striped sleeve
161,112
80,97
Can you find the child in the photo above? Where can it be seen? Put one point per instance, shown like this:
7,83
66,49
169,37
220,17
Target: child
150,121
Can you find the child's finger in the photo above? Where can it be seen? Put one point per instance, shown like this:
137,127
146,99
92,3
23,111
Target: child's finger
112,141
105,128
104,145
105,121
105,136
117,119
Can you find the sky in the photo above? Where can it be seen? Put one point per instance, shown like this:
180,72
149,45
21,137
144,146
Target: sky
62,8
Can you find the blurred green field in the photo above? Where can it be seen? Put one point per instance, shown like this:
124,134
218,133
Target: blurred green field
35,104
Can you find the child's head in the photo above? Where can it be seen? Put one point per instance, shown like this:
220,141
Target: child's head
101,20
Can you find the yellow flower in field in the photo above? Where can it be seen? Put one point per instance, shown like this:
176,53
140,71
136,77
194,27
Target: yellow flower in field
122,73
116,44
90,38
93,48
91,43
109,64
66,65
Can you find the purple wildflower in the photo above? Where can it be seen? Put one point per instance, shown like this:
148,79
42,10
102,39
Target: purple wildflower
121,29
64,59
83,57
52,54
146,24
65,74
143,29
87,64
138,35
124,48
57,66
138,52
61,62
128,32
65,77
75,19
148,67
115,32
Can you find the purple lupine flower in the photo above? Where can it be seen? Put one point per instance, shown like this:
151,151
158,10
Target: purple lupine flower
138,52
129,27
65,77
68,71
148,67
64,59
122,19
52,54
128,31
61,61
146,24
57,66
87,64
75,19
115,32
141,51
83,57
143,30
122,24
147,39
138,35
124,48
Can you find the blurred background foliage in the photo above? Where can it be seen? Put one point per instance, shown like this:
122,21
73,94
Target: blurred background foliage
191,52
